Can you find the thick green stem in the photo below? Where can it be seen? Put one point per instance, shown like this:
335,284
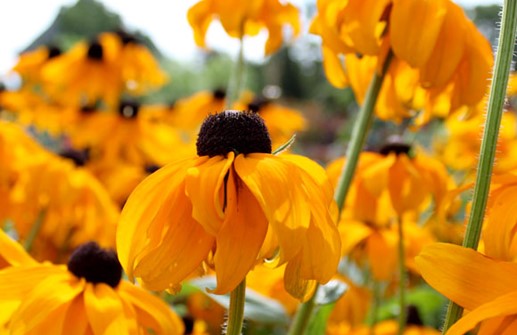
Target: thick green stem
359,134
402,279
488,144
236,82
236,310
301,319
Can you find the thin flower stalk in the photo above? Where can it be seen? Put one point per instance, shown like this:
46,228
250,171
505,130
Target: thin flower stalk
488,145
236,310
236,82
359,134
402,279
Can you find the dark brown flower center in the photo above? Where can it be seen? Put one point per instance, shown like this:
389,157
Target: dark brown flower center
129,109
237,131
413,316
79,157
257,104
396,145
219,94
95,51
95,264
53,51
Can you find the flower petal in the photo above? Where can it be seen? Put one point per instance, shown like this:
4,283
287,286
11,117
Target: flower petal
414,28
240,238
294,283
151,312
463,274
12,253
501,306
275,185
141,207
182,246
46,297
199,18
204,188
104,310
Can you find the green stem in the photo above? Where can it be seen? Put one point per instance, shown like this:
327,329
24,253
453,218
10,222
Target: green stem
235,85
303,314
488,144
402,279
236,310
374,311
35,229
359,134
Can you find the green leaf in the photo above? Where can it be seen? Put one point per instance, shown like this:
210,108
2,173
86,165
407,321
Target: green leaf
285,146
257,307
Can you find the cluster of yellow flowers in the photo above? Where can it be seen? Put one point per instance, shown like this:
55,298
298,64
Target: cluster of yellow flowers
206,188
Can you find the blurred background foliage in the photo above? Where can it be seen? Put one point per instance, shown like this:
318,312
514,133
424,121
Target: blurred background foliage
295,73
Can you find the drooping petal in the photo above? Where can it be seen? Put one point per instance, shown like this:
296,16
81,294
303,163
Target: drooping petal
462,274
334,68
414,28
294,283
381,248
199,17
204,183
151,312
241,236
448,51
104,310
141,207
286,208
75,317
182,246
502,306
12,253
48,295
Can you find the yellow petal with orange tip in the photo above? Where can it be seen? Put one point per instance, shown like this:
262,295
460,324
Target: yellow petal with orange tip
241,237
504,305
414,28
465,276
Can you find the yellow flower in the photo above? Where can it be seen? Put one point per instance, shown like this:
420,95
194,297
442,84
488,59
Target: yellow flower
30,63
140,71
441,62
484,286
190,112
85,297
245,18
85,74
232,206
12,253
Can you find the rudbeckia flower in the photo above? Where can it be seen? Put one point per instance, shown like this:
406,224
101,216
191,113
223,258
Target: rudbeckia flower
231,207
245,18
190,112
85,74
446,58
30,63
87,296
484,286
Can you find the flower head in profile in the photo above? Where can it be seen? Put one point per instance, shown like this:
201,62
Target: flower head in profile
441,61
232,206
240,18
85,297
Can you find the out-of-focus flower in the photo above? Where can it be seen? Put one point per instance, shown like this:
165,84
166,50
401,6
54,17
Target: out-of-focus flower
245,18
482,285
85,297
30,63
12,253
459,149
128,136
47,195
190,112
231,206
442,62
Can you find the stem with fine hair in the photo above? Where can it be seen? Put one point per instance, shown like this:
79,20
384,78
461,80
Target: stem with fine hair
236,310
488,144
402,279
359,133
